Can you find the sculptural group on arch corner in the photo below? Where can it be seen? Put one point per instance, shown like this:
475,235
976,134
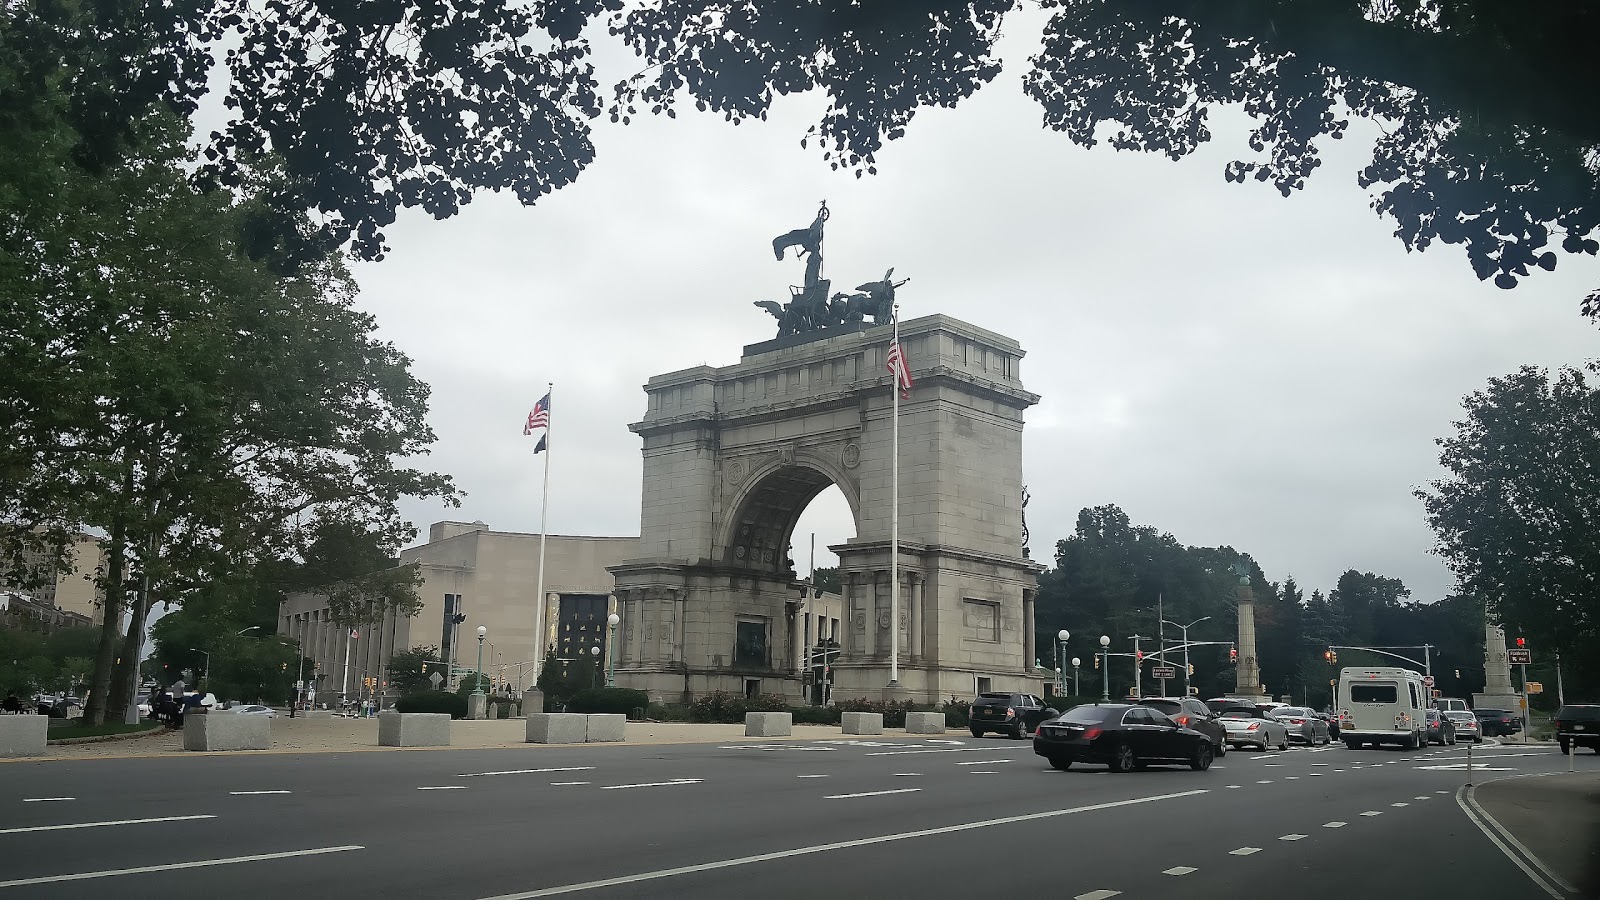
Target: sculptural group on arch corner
810,306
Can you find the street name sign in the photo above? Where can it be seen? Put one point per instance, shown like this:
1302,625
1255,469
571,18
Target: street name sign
1520,657
1164,672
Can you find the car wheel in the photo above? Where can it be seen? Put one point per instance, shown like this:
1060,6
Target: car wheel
1122,759
1019,730
1060,764
1352,744
1222,750
1283,744
1202,757
976,732
1565,748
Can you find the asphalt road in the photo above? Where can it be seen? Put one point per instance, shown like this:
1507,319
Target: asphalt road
868,818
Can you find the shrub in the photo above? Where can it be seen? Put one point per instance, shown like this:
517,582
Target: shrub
667,712
434,702
722,706
608,700
815,715
893,711
957,713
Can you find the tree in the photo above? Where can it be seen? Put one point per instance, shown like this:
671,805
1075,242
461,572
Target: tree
1518,513
409,669
826,579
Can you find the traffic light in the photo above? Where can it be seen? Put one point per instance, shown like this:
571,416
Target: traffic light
1458,673
1522,642
1138,657
1191,669
1333,657
1097,661
1233,655
1327,655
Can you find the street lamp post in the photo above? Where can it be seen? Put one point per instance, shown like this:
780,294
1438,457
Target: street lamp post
478,689
1075,663
1061,652
1185,630
1105,669
611,650
594,650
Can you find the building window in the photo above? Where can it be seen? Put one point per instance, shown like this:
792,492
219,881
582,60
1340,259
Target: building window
985,685
982,620
752,687
750,642
833,629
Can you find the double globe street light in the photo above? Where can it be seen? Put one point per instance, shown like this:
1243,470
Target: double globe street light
1105,668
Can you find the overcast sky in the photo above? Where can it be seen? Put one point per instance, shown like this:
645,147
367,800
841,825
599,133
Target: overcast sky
1223,363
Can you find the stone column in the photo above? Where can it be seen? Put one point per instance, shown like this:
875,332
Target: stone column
880,611
796,623
1029,639
675,652
1247,679
652,629
635,627
914,600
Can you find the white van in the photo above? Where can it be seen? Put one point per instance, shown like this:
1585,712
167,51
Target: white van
1451,704
1382,706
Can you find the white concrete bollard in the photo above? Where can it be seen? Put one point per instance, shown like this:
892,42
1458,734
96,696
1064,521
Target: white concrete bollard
397,729
557,728
768,724
925,723
23,735
861,723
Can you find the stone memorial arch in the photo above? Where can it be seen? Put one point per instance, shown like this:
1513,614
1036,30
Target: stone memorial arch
732,457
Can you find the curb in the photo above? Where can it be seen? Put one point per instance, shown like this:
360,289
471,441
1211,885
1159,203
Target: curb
103,738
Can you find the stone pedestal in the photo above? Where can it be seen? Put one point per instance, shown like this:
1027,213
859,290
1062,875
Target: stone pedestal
532,702
477,706
605,728
225,731
861,723
768,724
23,735
557,728
396,729
924,723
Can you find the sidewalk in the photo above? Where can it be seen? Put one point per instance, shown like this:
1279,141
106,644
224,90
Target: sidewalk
1557,817
334,734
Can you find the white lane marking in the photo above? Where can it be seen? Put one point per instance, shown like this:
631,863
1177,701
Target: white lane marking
1265,781
1271,766
1244,851
1292,837
1101,894
1179,870
46,799
983,772
673,783
1338,770
253,793
1462,767
1322,750
1218,767
1264,756
101,824
444,787
1292,778
196,864
1319,764
938,741
1372,812
926,750
1495,755
982,762
871,794
1399,805
1441,792
839,845
811,776
1422,797
526,771
1469,803
908,774
1316,774
566,783
1233,787
1333,824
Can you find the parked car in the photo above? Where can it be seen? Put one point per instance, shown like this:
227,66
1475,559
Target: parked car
1122,736
1304,725
253,709
1191,713
1333,724
1451,704
1467,727
1441,730
1016,715
1498,722
1249,726
1578,725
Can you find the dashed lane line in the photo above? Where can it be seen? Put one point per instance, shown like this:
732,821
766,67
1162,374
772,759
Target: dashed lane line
1333,824
149,821
932,750
871,794
195,864
1372,812
983,772
567,783
673,783
811,776
908,774
526,771
982,762
254,793
1265,781
47,799
1179,870
443,787
1101,894
839,845
1400,804
1244,851
1292,837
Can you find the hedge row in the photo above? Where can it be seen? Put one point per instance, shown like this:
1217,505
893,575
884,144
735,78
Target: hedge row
434,702
617,700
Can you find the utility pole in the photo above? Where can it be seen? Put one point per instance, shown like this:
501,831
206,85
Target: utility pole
1561,693
1138,666
1161,639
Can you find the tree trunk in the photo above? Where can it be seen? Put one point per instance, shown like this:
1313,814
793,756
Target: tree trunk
94,708
127,670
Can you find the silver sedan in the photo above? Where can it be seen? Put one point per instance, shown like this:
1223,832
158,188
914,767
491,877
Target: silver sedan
1250,727
1303,724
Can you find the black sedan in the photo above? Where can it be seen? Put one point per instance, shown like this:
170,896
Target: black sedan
1016,715
1122,736
1498,722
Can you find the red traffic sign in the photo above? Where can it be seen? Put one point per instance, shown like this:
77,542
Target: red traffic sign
1427,681
1520,657
1164,672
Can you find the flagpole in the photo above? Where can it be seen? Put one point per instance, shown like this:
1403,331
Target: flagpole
544,510
894,512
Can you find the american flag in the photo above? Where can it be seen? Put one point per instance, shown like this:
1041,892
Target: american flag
895,362
540,417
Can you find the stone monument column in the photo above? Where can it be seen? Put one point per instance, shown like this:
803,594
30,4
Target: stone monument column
1030,656
1247,679
1498,691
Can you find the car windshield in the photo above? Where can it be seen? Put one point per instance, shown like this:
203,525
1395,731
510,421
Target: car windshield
1002,697
1092,715
1579,714
1298,712
1166,706
1239,712
1458,716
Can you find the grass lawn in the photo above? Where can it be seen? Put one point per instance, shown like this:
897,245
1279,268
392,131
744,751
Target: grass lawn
83,731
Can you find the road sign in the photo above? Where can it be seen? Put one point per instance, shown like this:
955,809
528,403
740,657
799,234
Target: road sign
1164,672
1520,657
436,679
299,685
1534,687
1427,681
1438,694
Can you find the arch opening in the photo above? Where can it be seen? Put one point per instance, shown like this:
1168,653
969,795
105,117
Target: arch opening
770,513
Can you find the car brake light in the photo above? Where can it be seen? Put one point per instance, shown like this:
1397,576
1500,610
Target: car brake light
1092,733
1254,726
1184,721
1010,712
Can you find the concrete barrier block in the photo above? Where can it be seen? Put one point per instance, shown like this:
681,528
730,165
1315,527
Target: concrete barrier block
225,731
557,728
477,706
861,723
924,723
768,724
23,735
398,729
604,728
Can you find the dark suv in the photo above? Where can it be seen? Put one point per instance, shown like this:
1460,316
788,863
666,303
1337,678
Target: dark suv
1578,725
1017,715
1191,713
1498,722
